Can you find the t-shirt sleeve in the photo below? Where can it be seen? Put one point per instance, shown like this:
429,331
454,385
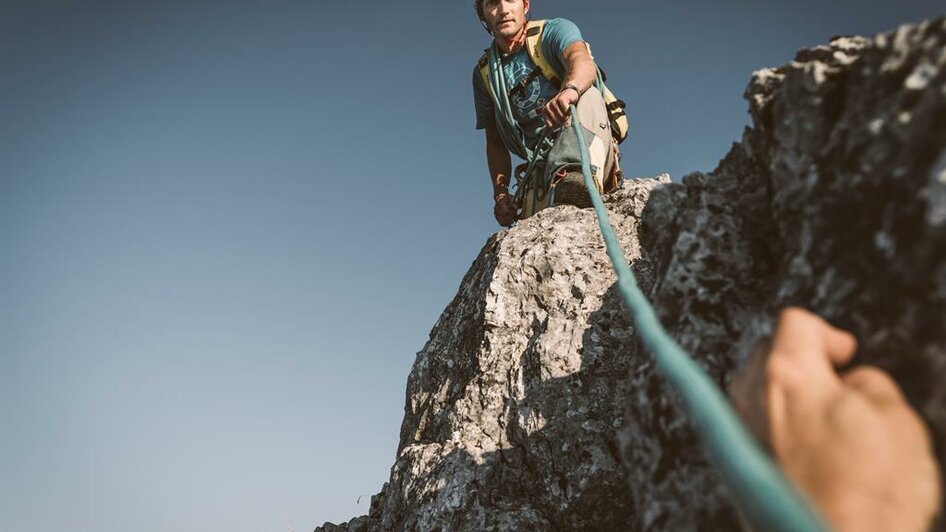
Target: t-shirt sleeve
559,34
485,115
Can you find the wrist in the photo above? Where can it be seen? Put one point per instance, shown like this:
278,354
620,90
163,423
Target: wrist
499,187
569,86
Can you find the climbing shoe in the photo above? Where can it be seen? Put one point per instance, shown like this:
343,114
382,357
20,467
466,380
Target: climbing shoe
571,190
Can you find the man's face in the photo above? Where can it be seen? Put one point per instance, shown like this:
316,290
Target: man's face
505,18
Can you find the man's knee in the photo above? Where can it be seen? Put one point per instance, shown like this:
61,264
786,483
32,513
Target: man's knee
591,105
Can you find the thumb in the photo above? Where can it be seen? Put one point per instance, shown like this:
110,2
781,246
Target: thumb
811,341
805,350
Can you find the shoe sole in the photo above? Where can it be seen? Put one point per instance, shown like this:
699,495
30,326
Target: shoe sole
571,190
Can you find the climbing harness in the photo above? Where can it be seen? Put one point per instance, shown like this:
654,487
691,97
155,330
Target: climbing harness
763,495
528,178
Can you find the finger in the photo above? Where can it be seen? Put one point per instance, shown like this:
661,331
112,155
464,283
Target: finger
556,107
552,114
566,113
752,368
747,389
746,384
749,403
839,344
562,111
809,344
799,374
875,384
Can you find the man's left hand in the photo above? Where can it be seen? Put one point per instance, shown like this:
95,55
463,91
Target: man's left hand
849,441
557,110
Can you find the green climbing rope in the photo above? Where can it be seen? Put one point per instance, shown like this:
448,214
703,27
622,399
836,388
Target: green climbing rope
763,495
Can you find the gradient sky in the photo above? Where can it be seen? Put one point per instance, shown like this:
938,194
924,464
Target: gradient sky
227,227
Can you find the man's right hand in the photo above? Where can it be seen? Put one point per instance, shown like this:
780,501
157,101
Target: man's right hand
504,210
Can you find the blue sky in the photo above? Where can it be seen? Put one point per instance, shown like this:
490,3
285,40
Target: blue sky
227,227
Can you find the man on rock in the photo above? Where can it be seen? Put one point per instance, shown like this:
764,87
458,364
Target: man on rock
523,88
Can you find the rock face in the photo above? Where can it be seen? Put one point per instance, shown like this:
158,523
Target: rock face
532,406
514,403
835,200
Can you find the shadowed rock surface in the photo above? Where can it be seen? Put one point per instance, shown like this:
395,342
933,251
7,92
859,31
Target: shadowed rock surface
835,200
513,405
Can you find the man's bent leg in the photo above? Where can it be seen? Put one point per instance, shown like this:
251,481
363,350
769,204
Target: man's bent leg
565,154
536,198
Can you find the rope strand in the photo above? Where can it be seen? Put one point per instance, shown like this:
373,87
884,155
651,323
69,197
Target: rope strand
764,496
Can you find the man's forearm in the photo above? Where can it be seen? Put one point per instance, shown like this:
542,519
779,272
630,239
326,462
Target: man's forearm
580,69
498,161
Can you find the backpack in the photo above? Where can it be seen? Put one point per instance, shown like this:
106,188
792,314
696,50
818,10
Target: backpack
616,107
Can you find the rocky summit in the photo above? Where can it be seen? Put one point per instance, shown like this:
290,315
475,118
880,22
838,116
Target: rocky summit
533,406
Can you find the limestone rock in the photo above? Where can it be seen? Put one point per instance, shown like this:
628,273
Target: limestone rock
835,200
532,406
514,403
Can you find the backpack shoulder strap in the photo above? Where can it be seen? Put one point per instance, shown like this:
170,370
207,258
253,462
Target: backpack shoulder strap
534,47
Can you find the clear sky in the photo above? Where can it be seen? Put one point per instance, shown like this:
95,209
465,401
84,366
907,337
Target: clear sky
227,227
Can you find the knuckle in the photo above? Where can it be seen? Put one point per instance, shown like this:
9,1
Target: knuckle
780,371
872,379
790,315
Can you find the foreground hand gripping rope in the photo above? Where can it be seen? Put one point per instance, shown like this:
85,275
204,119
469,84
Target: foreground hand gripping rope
763,495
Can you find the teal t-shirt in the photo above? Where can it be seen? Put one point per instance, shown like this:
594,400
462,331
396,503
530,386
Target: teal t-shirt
527,104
